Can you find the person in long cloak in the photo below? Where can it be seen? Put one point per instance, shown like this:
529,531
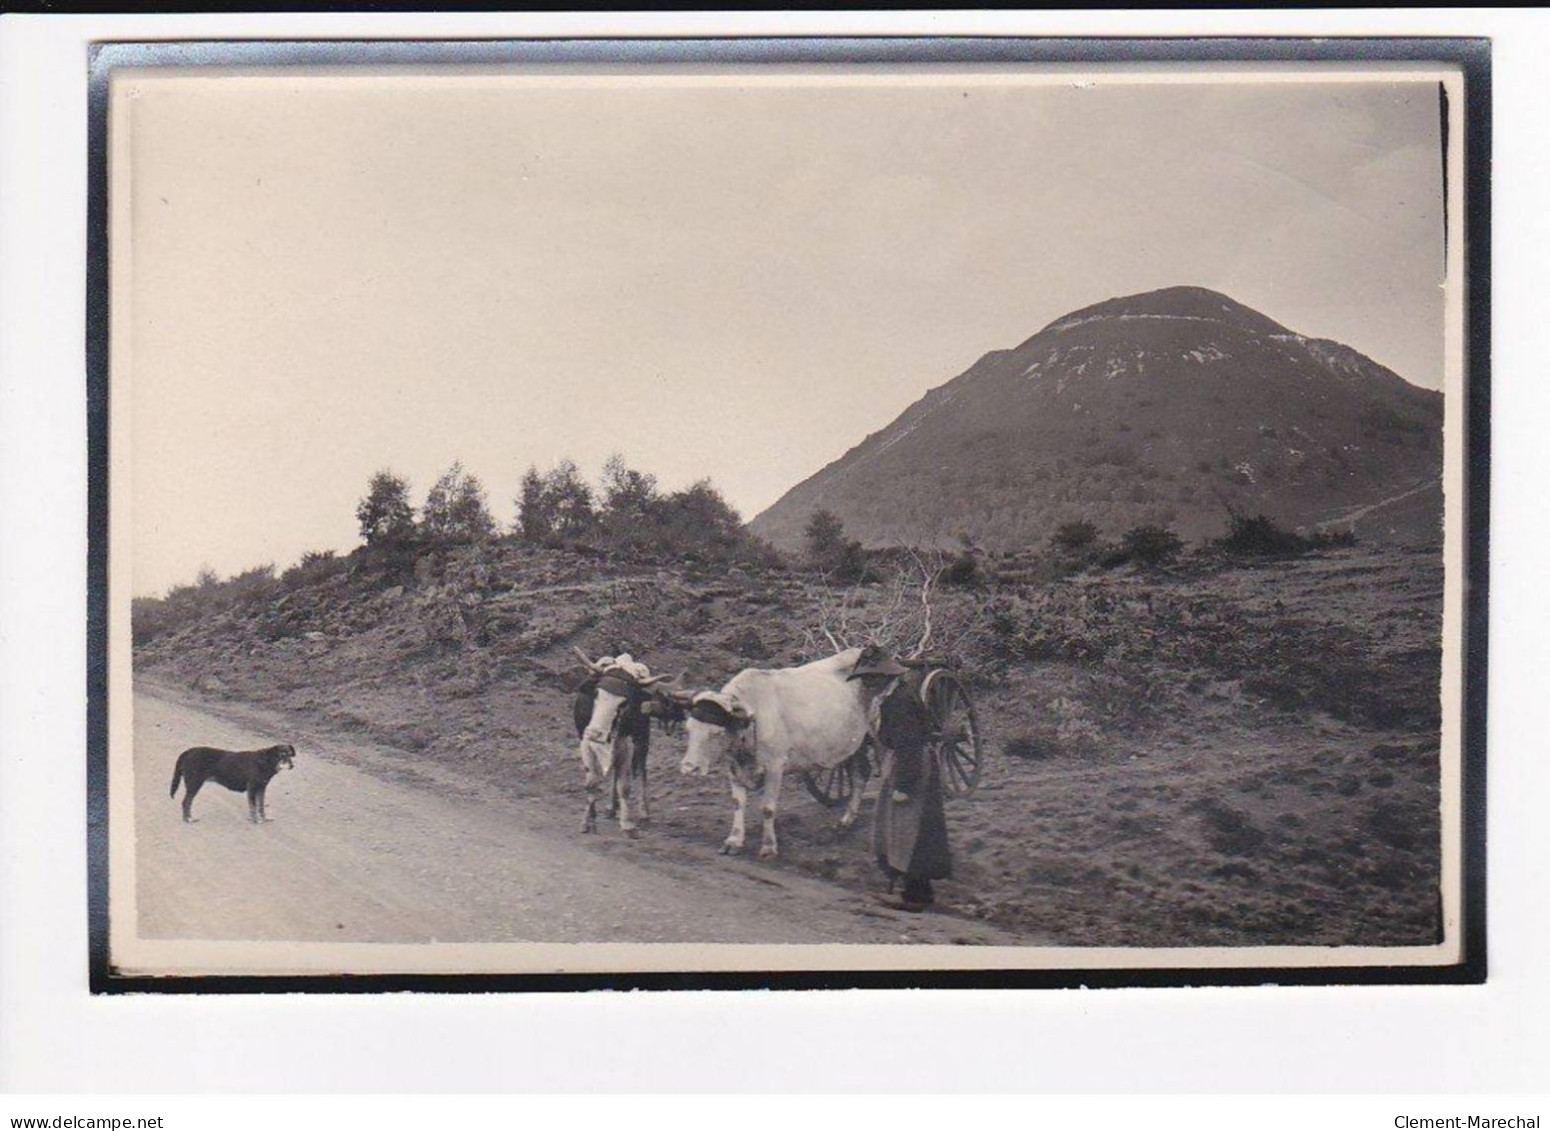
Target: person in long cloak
909,834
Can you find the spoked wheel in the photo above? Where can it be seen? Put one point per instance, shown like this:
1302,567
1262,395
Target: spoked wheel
959,748
833,787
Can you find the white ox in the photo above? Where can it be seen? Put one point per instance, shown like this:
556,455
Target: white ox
764,723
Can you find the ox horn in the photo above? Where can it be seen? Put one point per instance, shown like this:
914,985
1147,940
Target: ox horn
582,656
653,680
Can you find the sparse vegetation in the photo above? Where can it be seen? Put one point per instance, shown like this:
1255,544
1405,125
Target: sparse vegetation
1150,729
186,605
1381,422
1148,732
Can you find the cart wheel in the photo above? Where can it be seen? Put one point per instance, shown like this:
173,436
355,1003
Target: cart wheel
959,747
833,787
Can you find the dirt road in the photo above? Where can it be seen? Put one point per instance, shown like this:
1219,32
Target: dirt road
366,845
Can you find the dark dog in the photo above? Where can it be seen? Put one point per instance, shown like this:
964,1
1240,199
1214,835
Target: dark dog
245,771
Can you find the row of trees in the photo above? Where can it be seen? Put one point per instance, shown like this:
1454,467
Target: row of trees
626,509
455,509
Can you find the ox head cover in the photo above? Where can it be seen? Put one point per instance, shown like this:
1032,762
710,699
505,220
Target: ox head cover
615,685
875,661
719,710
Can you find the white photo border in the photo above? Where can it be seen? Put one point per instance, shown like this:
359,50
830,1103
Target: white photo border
593,967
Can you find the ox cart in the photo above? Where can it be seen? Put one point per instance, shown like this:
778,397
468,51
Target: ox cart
955,740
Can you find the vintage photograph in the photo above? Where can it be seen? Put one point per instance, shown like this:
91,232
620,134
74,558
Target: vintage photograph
605,520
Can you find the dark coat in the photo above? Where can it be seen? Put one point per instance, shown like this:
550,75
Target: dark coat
909,837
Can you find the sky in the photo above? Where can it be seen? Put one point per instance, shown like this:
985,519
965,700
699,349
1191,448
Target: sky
733,277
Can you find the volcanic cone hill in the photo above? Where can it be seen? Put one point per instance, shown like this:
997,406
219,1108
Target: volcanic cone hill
1173,407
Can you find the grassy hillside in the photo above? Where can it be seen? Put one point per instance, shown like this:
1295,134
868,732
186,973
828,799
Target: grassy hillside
1220,752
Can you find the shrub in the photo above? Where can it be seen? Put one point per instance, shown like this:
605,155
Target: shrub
387,563
1074,537
1031,747
748,644
250,584
315,566
1110,555
184,604
1151,545
150,617
1228,830
962,572
1262,538
1321,539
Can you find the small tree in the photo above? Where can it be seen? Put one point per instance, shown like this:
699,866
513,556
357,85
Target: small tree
384,513
627,496
698,517
455,508
568,500
825,535
829,550
534,521
557,503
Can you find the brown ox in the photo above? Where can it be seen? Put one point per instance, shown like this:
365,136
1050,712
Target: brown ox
613,712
